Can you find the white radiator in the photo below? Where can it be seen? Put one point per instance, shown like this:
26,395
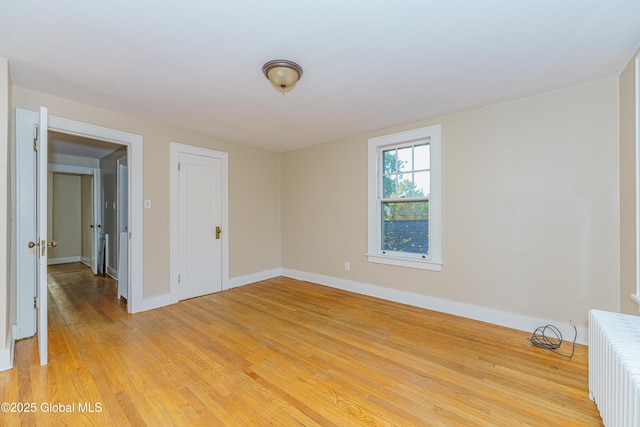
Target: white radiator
614,367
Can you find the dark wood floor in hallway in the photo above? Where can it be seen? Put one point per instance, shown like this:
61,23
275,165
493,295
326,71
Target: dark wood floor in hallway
287,353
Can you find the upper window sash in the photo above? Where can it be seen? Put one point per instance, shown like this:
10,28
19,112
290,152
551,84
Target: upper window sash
417,169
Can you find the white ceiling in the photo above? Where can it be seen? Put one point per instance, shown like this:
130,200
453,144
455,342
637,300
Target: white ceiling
367,65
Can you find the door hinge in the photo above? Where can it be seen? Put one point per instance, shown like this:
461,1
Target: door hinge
178,278
35,303
35,138
178,166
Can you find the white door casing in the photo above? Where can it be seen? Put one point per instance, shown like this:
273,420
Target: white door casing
199,200
41,244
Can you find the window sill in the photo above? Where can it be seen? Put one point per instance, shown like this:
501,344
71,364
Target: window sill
405,262
636,298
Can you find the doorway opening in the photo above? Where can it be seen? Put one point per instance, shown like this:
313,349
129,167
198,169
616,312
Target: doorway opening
86,211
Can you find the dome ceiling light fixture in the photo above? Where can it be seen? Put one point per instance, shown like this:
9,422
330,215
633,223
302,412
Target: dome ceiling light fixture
282,74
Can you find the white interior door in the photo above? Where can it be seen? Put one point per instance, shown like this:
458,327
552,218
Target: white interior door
123,266
123,196
26,255
123,228
41,234
200,218
91,229
96,220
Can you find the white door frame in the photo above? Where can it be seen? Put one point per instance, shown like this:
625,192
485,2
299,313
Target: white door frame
134,153
175,149
96,204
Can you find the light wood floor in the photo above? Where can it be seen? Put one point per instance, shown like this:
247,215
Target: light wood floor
286,353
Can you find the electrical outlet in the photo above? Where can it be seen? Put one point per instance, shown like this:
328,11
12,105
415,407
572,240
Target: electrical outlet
347,266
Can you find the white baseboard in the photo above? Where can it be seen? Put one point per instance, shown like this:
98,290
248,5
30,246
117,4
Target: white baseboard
86,261
156,302
6,354
112,272
165,299
484,314
63,260
255,277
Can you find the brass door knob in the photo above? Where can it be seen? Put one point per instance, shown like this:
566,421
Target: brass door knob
52,244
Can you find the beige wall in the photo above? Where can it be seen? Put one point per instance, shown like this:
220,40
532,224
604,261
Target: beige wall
5,254
254,197
530,207
628,93
65,220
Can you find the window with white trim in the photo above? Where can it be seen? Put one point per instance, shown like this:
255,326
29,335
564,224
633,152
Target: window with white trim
405,198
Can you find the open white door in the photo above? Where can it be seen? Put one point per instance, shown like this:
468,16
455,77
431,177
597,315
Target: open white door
96,220
123,228
41,233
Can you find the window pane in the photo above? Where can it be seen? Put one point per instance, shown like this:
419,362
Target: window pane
390,161
405,227
405,159
422,157
405,185
422,181
389,186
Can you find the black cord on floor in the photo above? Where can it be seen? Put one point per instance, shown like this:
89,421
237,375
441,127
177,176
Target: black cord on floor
550,338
